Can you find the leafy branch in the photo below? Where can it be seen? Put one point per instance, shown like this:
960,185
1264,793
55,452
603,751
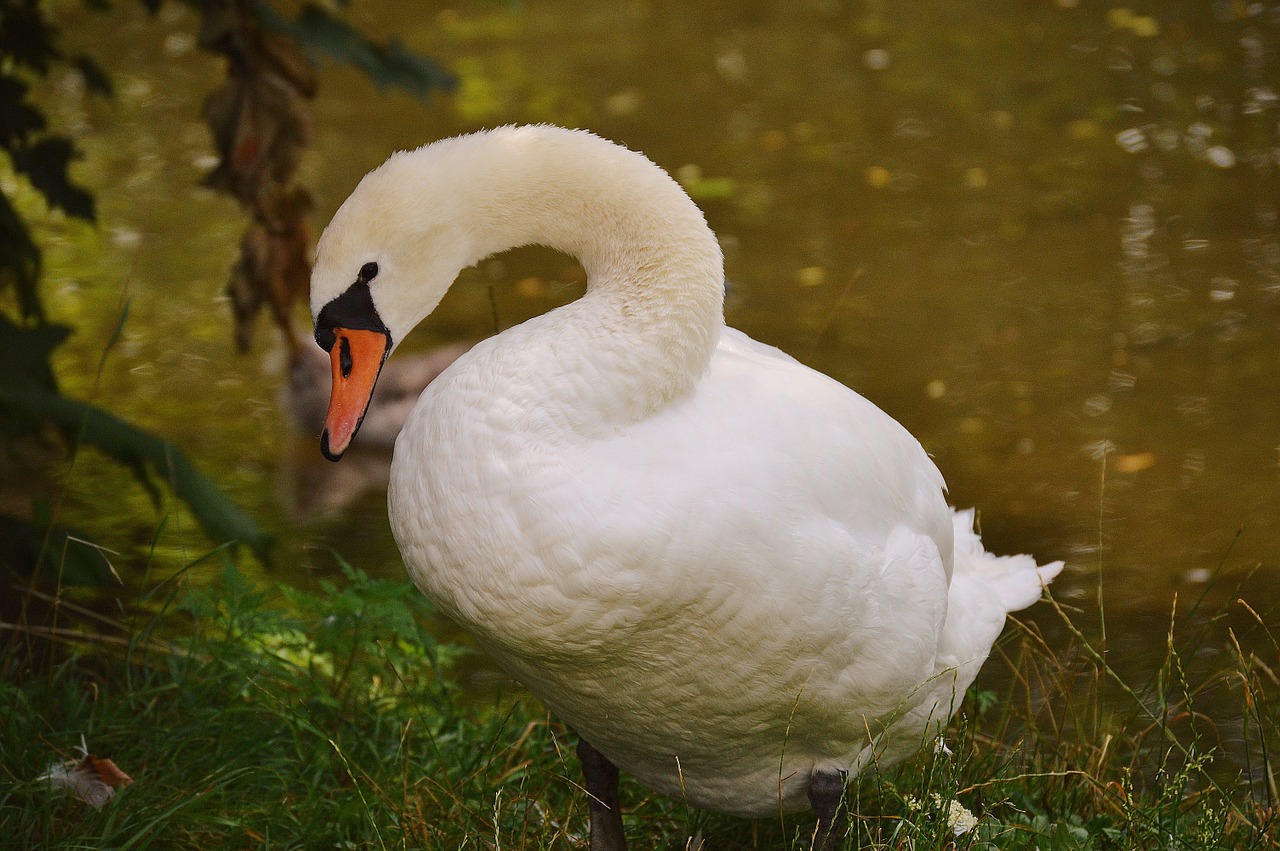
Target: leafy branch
260,127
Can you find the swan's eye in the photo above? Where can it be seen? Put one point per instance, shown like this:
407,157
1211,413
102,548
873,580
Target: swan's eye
368,272
344,356
353,310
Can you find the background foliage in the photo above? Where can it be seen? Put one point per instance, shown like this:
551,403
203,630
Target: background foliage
259,127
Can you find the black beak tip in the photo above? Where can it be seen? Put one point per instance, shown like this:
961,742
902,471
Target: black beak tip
324,447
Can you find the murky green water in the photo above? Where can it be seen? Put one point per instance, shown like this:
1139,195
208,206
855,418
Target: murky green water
1040,234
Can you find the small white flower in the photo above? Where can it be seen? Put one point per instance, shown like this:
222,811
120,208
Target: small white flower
959,819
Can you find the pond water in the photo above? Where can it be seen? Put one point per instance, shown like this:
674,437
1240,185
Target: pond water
1042,235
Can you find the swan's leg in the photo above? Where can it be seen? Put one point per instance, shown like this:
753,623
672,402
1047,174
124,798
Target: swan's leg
602,791
826,796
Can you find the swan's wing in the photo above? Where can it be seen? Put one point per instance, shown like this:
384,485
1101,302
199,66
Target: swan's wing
777,441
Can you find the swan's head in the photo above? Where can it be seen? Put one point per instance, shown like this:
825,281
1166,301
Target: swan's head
383,263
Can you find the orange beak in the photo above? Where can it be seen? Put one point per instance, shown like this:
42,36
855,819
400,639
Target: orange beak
357,356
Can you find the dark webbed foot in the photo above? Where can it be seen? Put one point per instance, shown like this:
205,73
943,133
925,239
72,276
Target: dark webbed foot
826,796
601,777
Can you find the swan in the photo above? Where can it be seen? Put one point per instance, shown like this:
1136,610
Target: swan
735,578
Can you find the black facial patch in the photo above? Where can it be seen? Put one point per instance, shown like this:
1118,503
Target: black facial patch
353,310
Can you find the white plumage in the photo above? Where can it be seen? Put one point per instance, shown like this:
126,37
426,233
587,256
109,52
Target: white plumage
725,570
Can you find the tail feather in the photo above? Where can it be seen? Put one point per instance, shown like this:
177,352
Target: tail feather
984,589
1017,581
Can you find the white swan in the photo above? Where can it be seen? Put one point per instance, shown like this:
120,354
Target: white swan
734,577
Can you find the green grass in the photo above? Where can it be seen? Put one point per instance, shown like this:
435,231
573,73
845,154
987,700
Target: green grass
333,719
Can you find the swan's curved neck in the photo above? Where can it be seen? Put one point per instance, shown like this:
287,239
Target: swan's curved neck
654,304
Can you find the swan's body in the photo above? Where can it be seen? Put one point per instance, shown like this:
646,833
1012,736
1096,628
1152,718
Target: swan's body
726,571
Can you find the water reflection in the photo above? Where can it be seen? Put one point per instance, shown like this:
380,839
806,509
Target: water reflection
1043,236
313,489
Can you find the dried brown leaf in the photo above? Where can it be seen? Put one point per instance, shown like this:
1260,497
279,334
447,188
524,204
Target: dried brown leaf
274,268
289,61
1134,462
94,780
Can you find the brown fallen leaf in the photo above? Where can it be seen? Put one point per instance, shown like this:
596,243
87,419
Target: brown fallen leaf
93,779
1134,462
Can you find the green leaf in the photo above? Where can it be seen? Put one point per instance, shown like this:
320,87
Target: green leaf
25,393
984,699
45,165
25,352
94,77
387,65
27,38
18,119
19,261
221,519
1065,837
413,71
